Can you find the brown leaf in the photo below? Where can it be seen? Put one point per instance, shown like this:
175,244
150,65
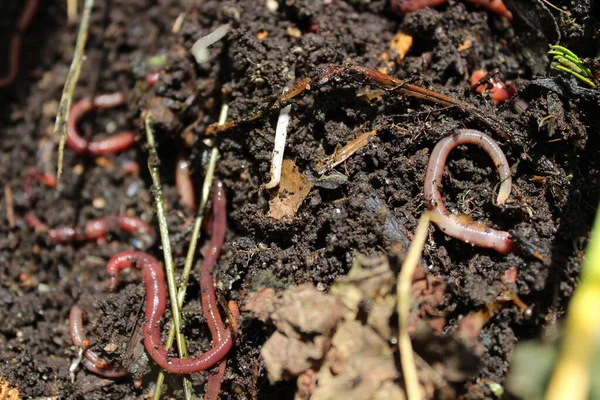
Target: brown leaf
291,192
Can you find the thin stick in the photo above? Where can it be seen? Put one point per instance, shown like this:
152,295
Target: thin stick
189,260
153,167
556,8
67,94
405,279
71,11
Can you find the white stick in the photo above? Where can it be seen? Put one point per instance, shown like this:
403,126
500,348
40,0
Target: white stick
280,137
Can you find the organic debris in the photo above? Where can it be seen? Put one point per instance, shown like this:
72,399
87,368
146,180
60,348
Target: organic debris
401,43
341,155
337,344
7,392
291,192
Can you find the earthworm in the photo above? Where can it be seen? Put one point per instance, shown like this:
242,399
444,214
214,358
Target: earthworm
32,221
209,301
14,55
496,6
154,281
93,362
407,6
499,92
99,228
130,167
218,229
47,179
460,226
184,185
113,144
213,387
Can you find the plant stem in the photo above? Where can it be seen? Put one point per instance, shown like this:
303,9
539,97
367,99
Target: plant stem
405,279
66,99
189,259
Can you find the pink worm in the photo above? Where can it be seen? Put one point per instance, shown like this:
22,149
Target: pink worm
114,144
154,281
209,302
47,179
184,185
93,362
15,44
99,228
461,227
407,6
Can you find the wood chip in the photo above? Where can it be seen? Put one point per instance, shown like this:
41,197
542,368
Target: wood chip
466,45
401,43
291,192
10,210
262,35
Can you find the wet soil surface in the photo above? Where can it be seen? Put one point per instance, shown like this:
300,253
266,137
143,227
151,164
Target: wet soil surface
552,147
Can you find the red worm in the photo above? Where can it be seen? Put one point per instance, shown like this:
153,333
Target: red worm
99,228
154,281
114,144
47,179
499,92
93,362
462,227
32,221
15,44
407,6
209,302
130,167
185,187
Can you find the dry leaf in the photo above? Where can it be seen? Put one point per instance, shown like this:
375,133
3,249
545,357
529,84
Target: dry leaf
7,392
341,155
291,192
466,45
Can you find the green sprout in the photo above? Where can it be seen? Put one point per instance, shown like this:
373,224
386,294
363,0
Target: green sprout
567,61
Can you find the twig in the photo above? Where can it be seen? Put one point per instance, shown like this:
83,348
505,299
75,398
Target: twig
71,11
153,167
556,8
280,138
189,260
405,279
10,208
67,94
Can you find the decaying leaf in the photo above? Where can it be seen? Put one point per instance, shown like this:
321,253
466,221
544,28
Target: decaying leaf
8,393
338,344
304,318
292,190
370,281
358,366
332,181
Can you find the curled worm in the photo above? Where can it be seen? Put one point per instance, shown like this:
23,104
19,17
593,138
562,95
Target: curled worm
461,227
113,144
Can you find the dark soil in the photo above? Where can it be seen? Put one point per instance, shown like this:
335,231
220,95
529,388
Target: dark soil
555,171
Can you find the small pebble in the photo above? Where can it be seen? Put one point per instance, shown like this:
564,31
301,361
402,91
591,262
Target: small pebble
99,203
78,169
